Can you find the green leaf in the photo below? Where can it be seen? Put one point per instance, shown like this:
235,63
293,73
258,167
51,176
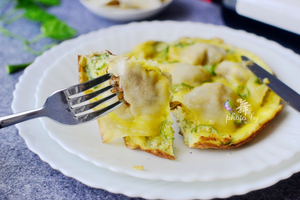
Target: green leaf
28,3
4,31
37,14
13,18
49,2
25,3
57,29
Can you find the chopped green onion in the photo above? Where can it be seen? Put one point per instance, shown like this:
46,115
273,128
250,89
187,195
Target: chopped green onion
186,121
186,124
89,73
230,51
183,44
161,49
237,117
183,84
205,127
103,56
242,91
160,46
14,68
180,87
171,62
232,106
166,130
207,81
100,66
256,80
164,125
165,52
211,69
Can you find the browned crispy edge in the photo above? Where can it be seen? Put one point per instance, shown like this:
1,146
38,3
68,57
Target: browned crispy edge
155,152
202,145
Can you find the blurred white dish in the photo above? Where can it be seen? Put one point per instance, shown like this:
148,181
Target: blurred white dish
125,15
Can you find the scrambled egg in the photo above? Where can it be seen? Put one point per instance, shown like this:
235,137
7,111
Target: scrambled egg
222,104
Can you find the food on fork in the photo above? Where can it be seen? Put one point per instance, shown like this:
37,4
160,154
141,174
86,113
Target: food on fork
221,103
144,119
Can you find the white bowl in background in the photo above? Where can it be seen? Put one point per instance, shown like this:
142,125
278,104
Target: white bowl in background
124,15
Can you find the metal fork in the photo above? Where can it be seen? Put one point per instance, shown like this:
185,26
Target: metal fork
65,109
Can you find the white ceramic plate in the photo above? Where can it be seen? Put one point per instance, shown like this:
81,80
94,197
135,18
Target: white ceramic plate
124,15
38,141
276,143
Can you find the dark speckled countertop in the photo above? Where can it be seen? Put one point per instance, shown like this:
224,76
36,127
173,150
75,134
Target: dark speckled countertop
23,175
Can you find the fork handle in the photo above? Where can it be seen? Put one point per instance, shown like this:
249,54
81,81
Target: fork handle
20,117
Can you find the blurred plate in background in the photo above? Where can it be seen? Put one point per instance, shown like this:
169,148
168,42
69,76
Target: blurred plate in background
124,15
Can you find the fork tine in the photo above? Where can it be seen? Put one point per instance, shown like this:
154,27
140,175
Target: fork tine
83,98
93,104
87,85
98,113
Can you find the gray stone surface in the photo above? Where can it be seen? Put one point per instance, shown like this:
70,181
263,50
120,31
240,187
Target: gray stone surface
23,175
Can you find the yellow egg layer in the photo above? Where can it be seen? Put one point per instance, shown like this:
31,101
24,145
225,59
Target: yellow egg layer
223,105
